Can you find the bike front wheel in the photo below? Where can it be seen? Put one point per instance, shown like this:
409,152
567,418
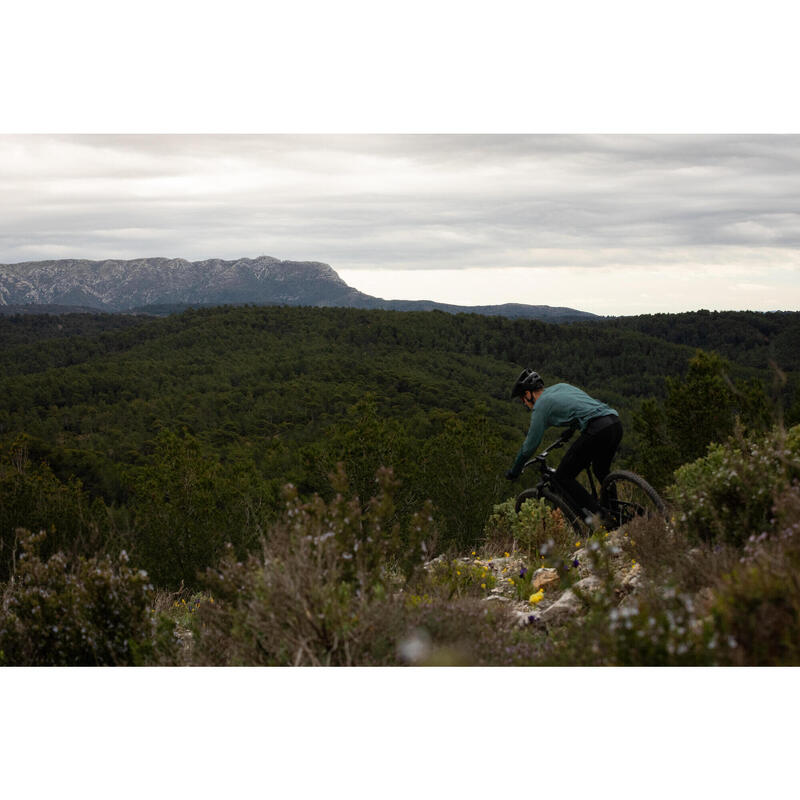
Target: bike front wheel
556,503
626,495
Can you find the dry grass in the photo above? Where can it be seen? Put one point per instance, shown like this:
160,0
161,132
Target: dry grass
667,555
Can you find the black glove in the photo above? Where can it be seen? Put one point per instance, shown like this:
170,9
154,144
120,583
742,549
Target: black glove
511,475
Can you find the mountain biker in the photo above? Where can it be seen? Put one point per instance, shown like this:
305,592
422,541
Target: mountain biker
563,405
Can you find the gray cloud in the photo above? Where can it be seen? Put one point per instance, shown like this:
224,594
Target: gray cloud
410,202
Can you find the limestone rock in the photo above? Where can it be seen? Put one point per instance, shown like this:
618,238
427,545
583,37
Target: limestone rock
545,578
585,566
630,580
589,585
589,555
565,608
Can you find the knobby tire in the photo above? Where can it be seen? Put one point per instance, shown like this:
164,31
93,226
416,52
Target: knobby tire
628,495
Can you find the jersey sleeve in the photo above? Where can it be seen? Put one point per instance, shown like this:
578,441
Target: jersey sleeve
532,440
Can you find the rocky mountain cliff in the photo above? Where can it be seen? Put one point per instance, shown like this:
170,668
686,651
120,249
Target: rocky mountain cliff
139,284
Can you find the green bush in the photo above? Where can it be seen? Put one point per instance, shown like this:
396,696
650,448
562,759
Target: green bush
729,494
88,612
657,629
536,530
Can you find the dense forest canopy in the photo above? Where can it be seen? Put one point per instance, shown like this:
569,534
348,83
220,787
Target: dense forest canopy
748,338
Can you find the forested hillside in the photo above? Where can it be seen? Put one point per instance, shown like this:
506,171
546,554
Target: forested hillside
746,337
169,437
233,373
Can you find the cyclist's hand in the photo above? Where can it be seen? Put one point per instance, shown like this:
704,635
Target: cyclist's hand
511,475
567,435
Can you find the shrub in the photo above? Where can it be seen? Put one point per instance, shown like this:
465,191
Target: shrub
728,495
538,528
467,632
321,567
661,626
757,605
712,604
668,556
434,631
660,629
89,612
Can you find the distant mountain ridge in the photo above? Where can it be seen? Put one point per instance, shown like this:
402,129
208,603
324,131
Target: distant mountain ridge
140,284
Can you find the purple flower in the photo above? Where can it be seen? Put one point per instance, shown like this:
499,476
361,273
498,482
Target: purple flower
575,563
531,619
522,572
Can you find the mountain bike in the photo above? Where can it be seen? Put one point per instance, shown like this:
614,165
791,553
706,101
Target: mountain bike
623,495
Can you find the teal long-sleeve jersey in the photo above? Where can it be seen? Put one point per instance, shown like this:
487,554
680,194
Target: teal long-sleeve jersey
560,405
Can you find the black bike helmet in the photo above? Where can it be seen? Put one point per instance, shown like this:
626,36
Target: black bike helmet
528,380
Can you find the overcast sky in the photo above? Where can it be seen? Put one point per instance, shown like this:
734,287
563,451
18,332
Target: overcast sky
613,224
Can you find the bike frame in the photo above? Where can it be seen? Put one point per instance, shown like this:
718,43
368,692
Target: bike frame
548,474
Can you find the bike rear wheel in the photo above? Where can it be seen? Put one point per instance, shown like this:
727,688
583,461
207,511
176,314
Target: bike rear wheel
555,502
626,495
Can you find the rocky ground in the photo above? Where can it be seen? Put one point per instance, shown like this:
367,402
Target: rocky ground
550,604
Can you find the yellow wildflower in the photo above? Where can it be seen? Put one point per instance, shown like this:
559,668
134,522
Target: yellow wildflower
577,544
458,572
483,586
507,555
536,597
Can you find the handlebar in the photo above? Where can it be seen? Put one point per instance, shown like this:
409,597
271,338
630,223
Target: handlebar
557,444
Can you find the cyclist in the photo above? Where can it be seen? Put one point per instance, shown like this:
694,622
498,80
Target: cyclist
563,405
